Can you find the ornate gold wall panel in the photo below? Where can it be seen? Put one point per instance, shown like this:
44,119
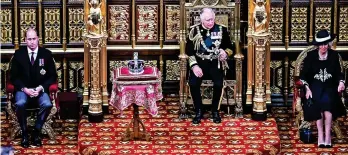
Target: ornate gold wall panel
119,23
6,25
222,20
147,23
172,70
277,77
343,24
27,19
76,25
52,25
299,24
59,73
172,22
276,25
322,18
76,76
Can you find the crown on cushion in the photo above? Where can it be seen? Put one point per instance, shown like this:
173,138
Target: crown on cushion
136,66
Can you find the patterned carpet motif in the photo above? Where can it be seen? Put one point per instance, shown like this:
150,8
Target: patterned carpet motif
65,143
291,145
171,135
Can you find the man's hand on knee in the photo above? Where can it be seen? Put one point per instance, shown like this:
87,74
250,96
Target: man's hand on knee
30,92
197,71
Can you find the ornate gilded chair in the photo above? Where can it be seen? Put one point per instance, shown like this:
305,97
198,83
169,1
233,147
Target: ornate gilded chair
32,110
298,85
225,14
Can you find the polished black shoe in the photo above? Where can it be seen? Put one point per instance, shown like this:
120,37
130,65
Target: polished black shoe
216,117
37,138
328,145
25,142
198,117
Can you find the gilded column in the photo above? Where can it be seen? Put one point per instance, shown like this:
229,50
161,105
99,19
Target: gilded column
250,75
64,25
40,22
15,9
335,23
183,60
133,24
161,36
311,20
239,63
104,62
259,63
287,14
96,38
268,71
86,82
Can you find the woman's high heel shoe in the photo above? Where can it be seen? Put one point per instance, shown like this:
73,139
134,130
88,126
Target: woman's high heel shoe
321,145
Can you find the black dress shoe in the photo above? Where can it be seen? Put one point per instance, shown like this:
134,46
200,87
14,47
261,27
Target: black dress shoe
328,146
25,142
37,138
198,117
216,117
321,146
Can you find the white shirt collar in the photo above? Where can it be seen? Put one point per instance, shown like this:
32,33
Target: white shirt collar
35,51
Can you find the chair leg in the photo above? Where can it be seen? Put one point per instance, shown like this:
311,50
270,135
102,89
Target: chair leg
15,129
337,130
47,127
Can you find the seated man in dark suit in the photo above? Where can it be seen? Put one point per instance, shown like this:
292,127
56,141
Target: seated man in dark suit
32,72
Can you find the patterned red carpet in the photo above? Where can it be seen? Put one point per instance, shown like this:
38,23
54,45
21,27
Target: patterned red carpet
290,143
173,136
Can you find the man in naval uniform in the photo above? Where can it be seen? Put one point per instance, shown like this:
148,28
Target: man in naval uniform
208,47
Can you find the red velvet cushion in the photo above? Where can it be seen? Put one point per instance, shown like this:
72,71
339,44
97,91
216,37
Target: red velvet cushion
53,88
9,87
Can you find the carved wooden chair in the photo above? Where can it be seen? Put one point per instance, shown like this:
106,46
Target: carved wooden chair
231,95
32,110
298,85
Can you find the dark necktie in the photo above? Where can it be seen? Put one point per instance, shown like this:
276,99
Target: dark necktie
32,58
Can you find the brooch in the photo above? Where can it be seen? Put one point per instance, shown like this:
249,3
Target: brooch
42,72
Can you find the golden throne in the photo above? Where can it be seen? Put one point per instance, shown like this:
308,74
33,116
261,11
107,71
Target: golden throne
226,14
297,107
32,109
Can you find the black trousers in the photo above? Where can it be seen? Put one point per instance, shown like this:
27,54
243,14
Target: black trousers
210,71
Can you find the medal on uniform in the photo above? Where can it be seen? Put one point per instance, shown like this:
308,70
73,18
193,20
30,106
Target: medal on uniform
42,72
41,62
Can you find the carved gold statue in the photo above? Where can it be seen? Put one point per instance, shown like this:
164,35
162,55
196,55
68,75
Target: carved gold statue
95,17
260,16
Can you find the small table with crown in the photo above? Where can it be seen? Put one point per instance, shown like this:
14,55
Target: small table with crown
142,89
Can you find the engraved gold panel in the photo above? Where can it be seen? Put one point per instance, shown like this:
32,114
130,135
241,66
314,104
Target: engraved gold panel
276,25
172,22
222,19
299,24
76,78
277,77
172,69
119,22
322,18
147,23
4,69
6,25
59,73
27,20
343,27
52,25
76,25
